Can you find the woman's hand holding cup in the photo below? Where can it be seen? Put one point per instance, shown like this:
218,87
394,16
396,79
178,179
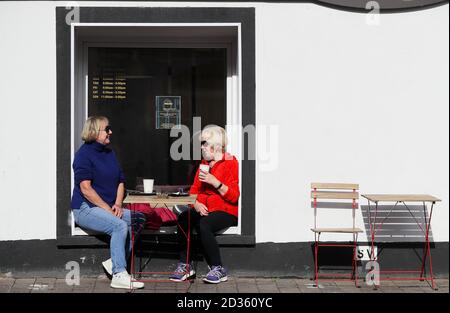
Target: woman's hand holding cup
206,177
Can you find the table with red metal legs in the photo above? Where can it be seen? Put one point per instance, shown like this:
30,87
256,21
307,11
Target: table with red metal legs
168,202
397,199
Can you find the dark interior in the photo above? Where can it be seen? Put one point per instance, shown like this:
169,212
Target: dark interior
124,84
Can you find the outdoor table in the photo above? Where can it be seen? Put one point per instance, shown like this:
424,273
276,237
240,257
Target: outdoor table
403,199
169,202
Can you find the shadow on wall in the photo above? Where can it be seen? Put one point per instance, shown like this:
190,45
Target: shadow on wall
398,225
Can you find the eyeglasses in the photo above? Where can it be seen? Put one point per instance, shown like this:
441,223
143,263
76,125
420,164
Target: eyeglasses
107,129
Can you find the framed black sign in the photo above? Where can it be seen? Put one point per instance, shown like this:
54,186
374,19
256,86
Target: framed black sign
168,112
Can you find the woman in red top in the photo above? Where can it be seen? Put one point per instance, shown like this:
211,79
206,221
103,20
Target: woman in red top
216,185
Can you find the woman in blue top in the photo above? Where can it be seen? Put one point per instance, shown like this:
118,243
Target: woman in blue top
98,195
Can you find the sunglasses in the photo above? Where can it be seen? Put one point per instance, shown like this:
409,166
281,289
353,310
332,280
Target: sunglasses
107,129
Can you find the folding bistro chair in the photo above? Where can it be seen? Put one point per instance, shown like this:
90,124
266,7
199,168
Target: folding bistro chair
335,196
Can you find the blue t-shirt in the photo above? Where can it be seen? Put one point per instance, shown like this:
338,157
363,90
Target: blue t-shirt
97,163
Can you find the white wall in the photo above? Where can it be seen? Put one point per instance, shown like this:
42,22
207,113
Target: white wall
27,121
356,103
353,103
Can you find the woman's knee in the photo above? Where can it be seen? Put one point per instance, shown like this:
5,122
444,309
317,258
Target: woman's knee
204,226
120,227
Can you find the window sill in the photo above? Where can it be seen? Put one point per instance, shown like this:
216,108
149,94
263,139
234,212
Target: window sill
103,241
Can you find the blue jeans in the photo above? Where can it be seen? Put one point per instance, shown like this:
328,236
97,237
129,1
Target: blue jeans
119,229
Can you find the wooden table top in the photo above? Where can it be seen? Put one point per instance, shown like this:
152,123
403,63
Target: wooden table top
154,200
400,197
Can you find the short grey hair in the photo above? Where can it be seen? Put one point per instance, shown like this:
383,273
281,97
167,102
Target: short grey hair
91,128
215,135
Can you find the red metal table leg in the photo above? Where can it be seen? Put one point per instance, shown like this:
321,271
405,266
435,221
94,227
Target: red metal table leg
427,251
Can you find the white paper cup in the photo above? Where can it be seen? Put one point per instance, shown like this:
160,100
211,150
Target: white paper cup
148,185
204,168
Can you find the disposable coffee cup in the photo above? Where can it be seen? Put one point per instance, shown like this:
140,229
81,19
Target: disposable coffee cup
204,168
148,185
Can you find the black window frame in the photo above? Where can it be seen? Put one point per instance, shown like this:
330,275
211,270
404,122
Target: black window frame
244,16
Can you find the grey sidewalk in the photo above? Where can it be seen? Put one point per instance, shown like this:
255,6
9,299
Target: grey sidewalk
101,283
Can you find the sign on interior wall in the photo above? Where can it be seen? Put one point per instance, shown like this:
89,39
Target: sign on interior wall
168,112
109,87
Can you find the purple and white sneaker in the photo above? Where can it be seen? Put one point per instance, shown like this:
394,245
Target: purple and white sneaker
216,275
183,271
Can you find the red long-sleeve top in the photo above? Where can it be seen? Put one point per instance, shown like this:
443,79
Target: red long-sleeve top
227,172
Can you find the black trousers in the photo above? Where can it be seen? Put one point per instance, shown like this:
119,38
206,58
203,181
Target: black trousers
206,227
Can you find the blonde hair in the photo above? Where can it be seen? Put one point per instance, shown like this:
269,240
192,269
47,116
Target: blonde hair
91,128
216,136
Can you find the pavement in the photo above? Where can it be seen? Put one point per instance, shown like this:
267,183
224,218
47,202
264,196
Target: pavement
101,283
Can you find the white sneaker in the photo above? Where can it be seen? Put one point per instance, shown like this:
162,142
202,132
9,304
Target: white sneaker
123,280
107,265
